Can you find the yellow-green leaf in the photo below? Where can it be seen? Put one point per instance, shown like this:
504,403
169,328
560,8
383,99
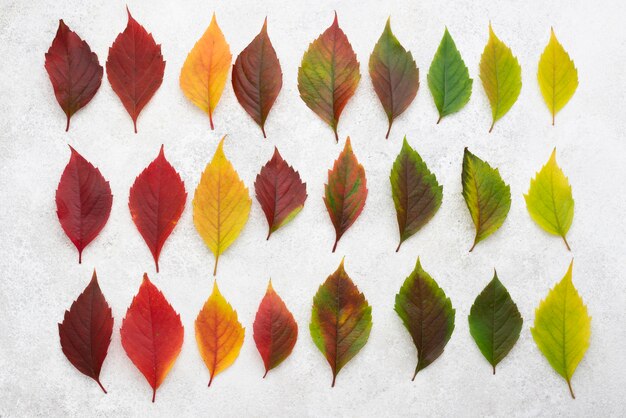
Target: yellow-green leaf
221,204
501,76
563,328
487,196
549,199
557,76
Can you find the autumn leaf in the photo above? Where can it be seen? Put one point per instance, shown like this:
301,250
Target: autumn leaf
135,67
495,322
501,76
74,71
329,75
83,201
205,70
549,200
427,314
563,328
448,78
394,74
341,320
218,333
221,204
487,196
416,193
280,191
257,77
557,76
275,330
152,334
86,331
156,202
345,192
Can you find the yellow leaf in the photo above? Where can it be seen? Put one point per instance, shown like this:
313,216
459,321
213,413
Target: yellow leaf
218,333
549,199
501,76
563,328
557,76
206,68
221,204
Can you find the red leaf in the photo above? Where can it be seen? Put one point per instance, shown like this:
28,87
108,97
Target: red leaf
83,201
275,330
74,71
135,67
152,334
156,202
258,78
86,331
280,191
345,192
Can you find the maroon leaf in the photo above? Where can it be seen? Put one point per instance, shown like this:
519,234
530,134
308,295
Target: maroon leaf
83,201
157,199
86,331
280,191
74,71
258,78
135,67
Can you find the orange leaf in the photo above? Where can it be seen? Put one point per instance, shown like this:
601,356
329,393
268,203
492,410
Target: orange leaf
152,334
218,333
204,72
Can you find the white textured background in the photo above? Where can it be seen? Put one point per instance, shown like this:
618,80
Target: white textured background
40,276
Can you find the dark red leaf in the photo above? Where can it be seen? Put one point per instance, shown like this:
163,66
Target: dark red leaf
258,78
74,71
83,201
86,331
280,191
275,330
157,199
135,67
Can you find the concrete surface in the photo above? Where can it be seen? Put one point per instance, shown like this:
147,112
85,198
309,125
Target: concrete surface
40,276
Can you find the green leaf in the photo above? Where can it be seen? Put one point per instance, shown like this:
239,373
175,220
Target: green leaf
549,200
448,78
487,197
341,320
495,322
501,76
416,193
427,314
394,74
563,328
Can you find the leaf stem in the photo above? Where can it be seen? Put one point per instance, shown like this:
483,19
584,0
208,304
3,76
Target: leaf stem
153,394
67,126
217,258
101,387
211,121
494,369
399,244
335,246
332,385
439,120
492,125
266,370
571,391
263,130
389,129
566,244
